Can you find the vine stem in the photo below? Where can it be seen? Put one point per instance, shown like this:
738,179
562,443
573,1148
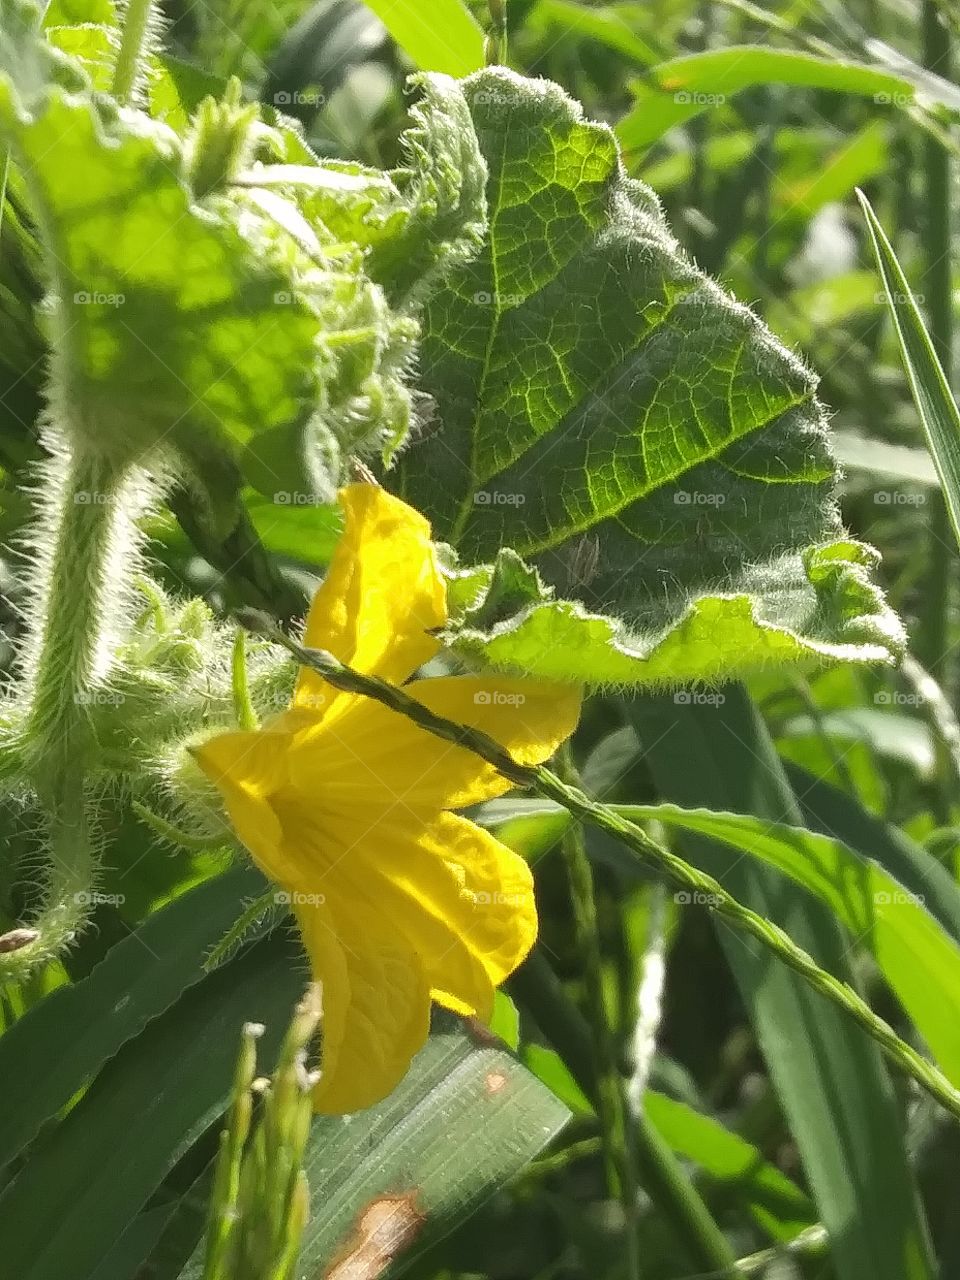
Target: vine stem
496,43
537,988
710,891
64,654
137,20
612,1108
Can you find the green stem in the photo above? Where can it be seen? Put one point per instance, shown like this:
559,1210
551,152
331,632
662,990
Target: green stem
496,42
175,836
812,1242
222,1222
136,26
837,758
648,998
612,1110
63,660
66,647
243,707
649,853
537,988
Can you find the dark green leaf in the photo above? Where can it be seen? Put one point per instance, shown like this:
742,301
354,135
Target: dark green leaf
827,1074
78,1028
604,404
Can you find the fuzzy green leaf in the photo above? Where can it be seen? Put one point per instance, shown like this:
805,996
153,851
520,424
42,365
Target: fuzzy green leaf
610,412
197,299
145,283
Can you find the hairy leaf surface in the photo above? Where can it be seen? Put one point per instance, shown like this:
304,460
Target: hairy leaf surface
610,412
213,311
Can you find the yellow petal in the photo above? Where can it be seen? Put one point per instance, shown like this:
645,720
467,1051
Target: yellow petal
496,917
376,1006
459,898
382,596
463,900
374,749
385,864
248,768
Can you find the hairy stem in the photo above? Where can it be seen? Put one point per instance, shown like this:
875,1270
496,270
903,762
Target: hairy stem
66,646
647,850
137,20
64,658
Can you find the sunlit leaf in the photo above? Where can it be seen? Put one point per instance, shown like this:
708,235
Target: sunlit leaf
604,406
937,409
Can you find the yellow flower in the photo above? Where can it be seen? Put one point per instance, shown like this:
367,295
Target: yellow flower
347,805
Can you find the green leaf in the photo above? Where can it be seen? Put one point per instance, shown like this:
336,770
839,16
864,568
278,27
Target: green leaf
549,1067
831,1084
604,404
606,25
936,407
917,957
681,89
153,1101
831,812
145,282
915,952
78,1028
804,313
466,1118
442,191
715,637
777,1205
440,37
417,221
891,735
71,13
197,313
856,160
877,457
